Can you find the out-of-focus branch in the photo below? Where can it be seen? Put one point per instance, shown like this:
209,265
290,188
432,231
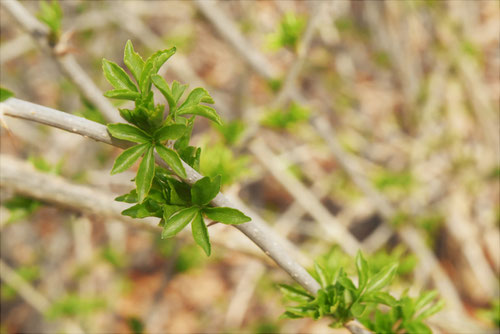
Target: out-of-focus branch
305,198
24,179
66,62
230,32
409,235
28,293
289,82
256,230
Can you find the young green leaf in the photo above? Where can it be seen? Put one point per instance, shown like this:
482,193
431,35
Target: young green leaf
131,197
363,271
431,310
162,86
201,110
172,159
5,94
205,189
143,210
295,294
196,96
145,174
176,222
382,278
151,66
322,275
380,297
192,105
116,76
122,94
133,61
177,91
200,233
226,215
128,157
170,131
424,299
51,15
129,133
160,57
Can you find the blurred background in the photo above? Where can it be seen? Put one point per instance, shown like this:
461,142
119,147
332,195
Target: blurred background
347,125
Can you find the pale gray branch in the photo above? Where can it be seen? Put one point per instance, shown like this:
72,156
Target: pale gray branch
256,230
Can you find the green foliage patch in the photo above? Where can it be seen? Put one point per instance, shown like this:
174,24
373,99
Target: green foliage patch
164,130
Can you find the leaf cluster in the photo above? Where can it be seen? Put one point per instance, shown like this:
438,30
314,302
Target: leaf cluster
343,300
51,14
164,130
288,32
286,119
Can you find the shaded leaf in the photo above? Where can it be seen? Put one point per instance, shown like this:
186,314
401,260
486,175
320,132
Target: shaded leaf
145,174
205,189
200,233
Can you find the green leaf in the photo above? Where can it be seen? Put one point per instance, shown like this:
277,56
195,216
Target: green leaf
5,94
162,86
200,233
180,192
116,76
358,309
129,133
176,222
346,283
363,271
151,66
192,105
133,61
201,110
145,174
381,279
143,210
170,131
125,160
226,215
51,15
160,57
431,310
322,275
295,294
379,297
172,159
131,197
122,94
425,299
177,91
205,189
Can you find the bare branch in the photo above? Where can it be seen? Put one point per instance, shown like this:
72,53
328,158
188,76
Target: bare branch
256,230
